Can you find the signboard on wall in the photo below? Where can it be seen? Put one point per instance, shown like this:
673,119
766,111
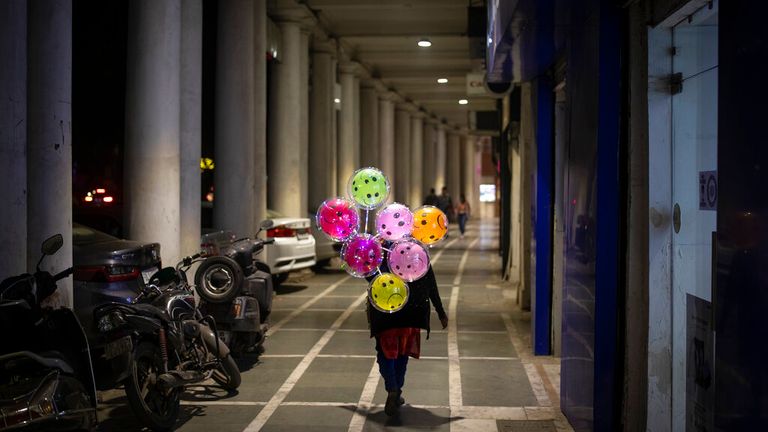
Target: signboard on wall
475,85
700,355
707,190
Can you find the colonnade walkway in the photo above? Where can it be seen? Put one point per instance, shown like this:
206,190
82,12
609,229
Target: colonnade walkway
318,371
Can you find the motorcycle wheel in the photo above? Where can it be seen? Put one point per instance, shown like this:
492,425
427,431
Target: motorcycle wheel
218,279
228,374
158,409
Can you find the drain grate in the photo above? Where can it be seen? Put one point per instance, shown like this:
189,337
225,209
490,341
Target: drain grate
525,426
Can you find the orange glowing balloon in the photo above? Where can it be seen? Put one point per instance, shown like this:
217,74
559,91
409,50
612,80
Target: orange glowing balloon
430,225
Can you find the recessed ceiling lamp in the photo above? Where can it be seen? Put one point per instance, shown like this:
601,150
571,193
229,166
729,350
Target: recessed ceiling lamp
336,100
442,80
424,43
463,101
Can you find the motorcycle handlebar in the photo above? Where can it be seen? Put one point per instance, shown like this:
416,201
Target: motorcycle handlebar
63,274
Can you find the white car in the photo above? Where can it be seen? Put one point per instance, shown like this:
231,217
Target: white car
294,246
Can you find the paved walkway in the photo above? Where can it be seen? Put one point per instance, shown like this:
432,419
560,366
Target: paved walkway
318,372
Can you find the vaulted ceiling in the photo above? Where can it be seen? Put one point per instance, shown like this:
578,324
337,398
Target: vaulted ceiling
383,36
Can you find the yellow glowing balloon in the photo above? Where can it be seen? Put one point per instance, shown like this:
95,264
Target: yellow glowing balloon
429,225
388,293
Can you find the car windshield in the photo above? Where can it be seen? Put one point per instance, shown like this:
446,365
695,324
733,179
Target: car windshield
82,235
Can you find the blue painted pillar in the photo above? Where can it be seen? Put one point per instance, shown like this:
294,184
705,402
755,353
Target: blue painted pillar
542,296
607,390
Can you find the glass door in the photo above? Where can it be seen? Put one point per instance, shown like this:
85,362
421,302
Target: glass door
694,84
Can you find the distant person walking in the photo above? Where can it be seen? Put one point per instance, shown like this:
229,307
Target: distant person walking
445,204
462,210
431,199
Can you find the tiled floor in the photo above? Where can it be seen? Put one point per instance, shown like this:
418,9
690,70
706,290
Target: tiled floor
318,372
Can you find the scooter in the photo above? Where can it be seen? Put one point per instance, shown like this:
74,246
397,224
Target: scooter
161,343
46,380
236,289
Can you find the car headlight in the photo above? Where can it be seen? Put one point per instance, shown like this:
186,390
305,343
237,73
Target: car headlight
111,321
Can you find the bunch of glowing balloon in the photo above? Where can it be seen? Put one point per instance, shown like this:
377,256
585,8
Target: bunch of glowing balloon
388,293
338,218
362,253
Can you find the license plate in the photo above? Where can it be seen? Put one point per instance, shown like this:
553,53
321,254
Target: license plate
146,274
118,347
302,236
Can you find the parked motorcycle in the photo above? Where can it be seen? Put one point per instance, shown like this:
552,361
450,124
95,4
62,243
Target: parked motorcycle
159,344
236,289
46,381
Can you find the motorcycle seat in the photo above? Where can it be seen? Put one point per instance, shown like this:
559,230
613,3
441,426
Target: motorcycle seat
49,360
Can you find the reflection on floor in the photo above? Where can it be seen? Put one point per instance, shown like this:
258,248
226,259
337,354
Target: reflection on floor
318,372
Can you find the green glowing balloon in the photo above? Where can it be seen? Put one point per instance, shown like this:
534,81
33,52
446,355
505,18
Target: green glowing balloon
368,188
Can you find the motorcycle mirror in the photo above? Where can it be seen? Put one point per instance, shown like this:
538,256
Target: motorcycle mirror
52,244
267,224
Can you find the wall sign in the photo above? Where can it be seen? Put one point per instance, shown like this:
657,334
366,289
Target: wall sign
707,190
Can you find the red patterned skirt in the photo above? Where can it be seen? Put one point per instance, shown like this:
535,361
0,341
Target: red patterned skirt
398,342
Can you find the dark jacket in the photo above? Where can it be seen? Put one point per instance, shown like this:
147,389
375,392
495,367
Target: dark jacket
416,311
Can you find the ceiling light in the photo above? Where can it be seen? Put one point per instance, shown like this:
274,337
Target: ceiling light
442,80
424,43
463,101
337,100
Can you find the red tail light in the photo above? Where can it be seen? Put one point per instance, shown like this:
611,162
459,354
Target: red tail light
113,273
281,232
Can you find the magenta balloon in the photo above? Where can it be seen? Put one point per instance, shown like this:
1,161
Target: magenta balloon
362,255
409,260
337,218
394,222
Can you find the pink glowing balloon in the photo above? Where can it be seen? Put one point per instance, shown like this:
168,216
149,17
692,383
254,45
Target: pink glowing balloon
409,260
337,218
362,255
394,222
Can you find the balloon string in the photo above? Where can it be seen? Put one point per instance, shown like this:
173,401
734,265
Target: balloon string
366,220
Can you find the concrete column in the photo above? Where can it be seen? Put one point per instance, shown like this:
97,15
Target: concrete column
347,153
191,120
417,192
49,133
322,114
152,125
356,110
285,130
387,137
453,171
468,168
304,123
369,125
429,161
402,178
233,174
260,112
440,159
13,138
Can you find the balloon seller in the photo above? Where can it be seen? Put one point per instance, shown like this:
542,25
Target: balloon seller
402,286
398,334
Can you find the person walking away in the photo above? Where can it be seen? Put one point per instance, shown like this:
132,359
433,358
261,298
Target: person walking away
398,335
431,199
445,204
462,210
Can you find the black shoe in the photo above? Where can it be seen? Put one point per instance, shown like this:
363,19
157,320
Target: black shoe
392,405
400,398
